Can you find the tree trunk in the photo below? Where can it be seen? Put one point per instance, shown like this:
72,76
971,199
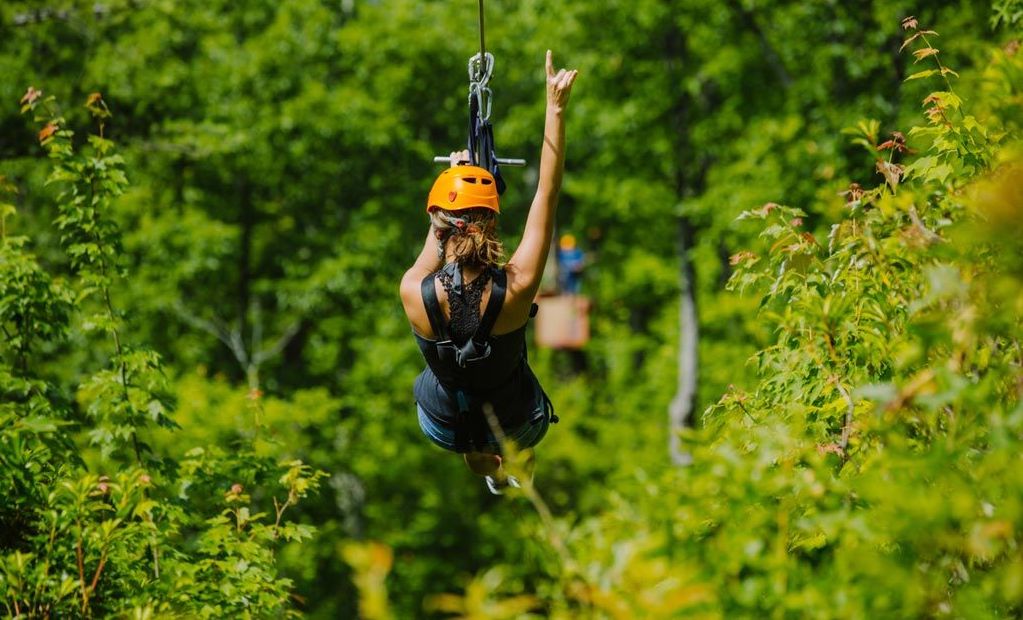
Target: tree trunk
680,411
689,179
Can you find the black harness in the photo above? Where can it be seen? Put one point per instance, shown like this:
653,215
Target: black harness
476,348
470,430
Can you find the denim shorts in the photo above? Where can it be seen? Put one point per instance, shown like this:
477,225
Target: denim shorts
525,436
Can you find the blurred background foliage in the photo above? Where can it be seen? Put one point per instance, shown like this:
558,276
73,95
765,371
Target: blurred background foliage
277,156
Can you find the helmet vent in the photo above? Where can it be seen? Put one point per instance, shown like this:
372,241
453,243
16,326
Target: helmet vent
470,180
486,181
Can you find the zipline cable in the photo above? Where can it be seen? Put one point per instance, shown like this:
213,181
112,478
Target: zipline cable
483,47
481,131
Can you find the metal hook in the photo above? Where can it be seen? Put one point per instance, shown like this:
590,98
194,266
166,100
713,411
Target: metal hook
481,72
484,99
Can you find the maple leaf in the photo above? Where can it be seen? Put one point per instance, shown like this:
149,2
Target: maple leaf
908,41
47,132
891,172
897,142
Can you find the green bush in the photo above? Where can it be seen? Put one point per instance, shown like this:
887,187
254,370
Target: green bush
97,523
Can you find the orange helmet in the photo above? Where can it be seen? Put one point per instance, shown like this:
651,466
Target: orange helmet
463,187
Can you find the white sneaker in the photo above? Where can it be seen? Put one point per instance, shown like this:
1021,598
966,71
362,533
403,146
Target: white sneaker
498,489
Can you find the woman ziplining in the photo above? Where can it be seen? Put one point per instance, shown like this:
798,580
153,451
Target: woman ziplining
477,386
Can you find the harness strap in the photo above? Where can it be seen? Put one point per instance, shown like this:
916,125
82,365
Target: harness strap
433,310
481,144
498,288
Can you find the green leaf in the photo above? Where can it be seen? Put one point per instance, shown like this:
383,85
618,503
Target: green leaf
922,74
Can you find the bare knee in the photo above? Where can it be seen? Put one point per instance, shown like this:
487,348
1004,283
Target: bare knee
481,463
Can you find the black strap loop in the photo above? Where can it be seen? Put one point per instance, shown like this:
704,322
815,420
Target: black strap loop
498,289
476,347
433,311
481,144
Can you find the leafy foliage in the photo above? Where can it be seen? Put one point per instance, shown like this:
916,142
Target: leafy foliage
198,294
79,543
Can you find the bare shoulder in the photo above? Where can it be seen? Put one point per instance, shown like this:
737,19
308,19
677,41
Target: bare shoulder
412,300
517,302
522,283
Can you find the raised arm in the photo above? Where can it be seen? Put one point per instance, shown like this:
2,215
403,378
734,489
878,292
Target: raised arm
526,265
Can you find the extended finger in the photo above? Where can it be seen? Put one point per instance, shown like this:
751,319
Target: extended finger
557,78
565,80
550,64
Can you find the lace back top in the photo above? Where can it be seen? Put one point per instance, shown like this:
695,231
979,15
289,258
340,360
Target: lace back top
464,301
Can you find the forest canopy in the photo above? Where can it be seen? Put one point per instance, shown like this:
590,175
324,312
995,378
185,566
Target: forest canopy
803,231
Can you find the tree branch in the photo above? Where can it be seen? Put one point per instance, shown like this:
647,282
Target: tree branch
231,338
847,425
289,334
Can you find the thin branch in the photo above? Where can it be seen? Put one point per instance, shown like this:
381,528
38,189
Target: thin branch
847,425
81,571
99,570
929,235
289,334
529,490
231,339
279,509
256,338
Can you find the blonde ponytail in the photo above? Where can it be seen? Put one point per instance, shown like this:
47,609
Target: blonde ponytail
472,234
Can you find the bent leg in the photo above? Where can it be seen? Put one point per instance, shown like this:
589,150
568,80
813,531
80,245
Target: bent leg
484,464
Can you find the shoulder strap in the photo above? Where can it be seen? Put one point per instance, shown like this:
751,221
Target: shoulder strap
499,283
433,310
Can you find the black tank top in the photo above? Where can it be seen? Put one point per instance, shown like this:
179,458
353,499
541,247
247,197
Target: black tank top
454,392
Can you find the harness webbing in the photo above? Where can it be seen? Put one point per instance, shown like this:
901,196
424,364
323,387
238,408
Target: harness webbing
470,431
498,288
433,311
481,144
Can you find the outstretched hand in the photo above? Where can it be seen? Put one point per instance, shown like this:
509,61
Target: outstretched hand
559,85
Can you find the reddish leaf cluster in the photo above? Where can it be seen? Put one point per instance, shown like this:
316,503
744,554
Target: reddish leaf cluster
897,143
31,95
853,194
47,132
909,23
765,210
741,257
936,112
830,448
